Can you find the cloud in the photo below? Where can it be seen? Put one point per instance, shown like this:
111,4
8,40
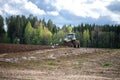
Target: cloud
19,7
44,5
114,6
93,9
54,13
65,11
81,8
114,11
32,8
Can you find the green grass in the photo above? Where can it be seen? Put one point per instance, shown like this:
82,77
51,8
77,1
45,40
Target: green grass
51,63
106,64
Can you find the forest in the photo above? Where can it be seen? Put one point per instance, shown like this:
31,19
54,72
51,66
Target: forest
31,30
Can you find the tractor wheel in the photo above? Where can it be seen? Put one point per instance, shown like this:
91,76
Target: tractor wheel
76,43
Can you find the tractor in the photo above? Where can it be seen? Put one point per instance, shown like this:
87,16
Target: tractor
71,40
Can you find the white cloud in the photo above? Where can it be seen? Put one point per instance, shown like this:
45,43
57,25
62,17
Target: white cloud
9,9
86,8
83,8
16,7
32,8
54,13
80,7
114,17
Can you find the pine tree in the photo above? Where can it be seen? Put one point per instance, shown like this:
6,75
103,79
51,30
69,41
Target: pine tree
28,33
40,33
2,31
86,38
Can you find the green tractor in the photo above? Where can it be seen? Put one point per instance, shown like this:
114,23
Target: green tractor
71,40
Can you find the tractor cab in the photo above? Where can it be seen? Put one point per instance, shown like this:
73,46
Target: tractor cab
69,37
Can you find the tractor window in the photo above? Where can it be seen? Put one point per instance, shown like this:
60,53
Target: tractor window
70,36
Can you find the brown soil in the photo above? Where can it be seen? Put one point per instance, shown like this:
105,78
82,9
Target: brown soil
13,48
61,64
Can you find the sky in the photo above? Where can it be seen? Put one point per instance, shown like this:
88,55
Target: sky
62,12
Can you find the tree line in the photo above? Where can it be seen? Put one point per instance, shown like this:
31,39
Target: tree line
104,36
32,30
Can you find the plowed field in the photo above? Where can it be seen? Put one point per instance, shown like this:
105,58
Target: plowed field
35,62
12,48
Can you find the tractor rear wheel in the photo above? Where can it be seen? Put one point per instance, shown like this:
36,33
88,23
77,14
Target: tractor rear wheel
76,43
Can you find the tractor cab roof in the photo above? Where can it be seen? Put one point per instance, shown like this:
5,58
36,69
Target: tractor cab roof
70,35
